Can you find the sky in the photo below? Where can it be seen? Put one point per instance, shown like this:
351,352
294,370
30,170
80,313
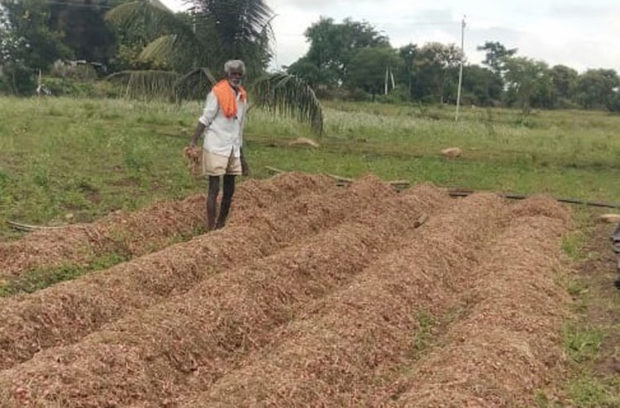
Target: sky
580,34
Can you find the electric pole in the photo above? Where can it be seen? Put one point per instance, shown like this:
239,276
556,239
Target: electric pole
458,95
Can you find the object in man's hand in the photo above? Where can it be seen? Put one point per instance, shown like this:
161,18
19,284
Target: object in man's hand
193,155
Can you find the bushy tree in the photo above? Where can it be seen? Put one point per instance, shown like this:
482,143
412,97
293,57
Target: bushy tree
529,83
408,54
596,87
28,21
496,55
436,71
369,66
564,81
83,29
481,86
333,45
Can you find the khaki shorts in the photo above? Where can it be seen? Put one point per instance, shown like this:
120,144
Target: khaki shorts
218,165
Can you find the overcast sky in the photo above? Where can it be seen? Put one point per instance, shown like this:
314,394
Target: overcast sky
579,33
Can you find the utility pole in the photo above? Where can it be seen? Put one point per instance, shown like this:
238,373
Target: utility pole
458,95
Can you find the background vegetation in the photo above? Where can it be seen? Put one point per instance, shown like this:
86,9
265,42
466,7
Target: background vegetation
346,60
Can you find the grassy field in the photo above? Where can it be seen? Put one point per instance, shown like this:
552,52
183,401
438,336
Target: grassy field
73,160
76,159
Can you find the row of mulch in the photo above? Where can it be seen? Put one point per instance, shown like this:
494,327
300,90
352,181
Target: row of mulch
353,346
138,233
152,356
64,313
508,348
349,342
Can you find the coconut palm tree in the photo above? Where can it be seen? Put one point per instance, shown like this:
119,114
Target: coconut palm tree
195,44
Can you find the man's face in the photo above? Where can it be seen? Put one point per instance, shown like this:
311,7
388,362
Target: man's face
235,77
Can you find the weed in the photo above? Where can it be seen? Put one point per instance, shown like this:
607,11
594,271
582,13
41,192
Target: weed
423,335
581,343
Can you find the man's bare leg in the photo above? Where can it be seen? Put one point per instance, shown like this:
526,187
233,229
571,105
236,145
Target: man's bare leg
214,189
229,191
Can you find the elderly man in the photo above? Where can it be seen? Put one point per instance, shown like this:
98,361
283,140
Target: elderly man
222,154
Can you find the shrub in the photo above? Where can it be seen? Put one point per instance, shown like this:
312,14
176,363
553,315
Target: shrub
17,79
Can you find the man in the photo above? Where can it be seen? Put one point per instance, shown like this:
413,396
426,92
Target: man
222,155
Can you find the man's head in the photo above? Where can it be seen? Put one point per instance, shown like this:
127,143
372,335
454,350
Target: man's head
234,69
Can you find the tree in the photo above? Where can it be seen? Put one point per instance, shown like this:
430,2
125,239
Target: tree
200,42
614,102
367,68
332,46
309,72
564,81
496,54
529,83
27,20
83,28
481,86
408,54
596,87
435,70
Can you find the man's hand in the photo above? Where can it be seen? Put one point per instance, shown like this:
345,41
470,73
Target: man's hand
245,169
192,152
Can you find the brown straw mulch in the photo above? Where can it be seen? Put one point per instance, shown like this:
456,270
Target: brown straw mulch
333,311
328,358
144,231
509,344
215,323
66,312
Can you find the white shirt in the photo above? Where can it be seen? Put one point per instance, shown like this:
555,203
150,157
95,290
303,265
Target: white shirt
223,135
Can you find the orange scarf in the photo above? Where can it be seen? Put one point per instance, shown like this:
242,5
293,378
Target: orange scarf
226,97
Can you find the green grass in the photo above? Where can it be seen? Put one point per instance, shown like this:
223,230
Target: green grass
589,391
423,335
582,342
66,158
583,337
40,278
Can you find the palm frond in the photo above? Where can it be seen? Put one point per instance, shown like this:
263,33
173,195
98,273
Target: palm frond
195,84
149,84
291,96
169,49
149,14
234,25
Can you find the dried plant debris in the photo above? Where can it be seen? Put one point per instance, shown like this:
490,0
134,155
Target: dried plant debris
338,297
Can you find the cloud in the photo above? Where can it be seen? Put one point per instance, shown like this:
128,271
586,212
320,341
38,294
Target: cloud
570,32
